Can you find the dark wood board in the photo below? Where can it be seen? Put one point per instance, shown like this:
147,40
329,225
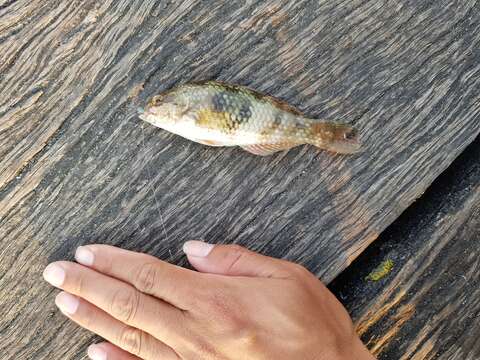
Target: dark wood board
77,166
428,307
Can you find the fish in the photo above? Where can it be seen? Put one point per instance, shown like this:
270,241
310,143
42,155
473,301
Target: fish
220,114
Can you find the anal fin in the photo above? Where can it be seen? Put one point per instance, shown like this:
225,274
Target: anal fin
267,149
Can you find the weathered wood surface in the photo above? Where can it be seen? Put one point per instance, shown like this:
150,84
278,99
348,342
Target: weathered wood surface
428,307
77,166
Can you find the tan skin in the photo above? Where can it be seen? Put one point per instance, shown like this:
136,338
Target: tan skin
237,305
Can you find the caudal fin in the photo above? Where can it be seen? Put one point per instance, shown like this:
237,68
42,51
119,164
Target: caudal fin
339,138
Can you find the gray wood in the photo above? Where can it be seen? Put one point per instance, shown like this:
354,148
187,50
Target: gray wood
428,307
77,166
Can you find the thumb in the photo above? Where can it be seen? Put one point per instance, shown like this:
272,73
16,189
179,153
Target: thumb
232,260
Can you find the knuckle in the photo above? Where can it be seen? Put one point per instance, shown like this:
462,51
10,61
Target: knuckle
124,305
235,256
132,340
145,277
203,348
231,321
224,309
219,304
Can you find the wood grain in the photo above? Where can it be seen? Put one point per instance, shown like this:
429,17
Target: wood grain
428,306
77,166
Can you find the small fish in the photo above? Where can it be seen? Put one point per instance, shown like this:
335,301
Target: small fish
219,114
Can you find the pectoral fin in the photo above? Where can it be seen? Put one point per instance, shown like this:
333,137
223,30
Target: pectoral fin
267,149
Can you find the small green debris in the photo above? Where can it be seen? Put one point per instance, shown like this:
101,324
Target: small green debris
381,271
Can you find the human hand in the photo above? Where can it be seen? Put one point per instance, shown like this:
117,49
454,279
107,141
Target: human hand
239,305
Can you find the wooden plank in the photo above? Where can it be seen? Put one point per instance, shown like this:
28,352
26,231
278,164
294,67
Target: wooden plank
428,306
77,166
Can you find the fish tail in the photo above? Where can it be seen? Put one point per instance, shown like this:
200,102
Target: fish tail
339,138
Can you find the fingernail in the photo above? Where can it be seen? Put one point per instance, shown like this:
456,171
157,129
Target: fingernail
67,303
197,248
96,352
54,274
84,256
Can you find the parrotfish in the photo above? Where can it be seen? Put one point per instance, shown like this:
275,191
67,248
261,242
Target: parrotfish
219,114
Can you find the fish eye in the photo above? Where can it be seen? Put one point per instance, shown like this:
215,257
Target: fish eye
157,100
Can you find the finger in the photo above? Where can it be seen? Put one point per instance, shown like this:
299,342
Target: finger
130,339
120,300
105,350
231,260
148,274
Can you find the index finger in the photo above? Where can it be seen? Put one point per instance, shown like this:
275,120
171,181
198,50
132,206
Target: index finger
173,284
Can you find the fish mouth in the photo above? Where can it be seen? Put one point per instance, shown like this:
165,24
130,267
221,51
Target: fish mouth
144,114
